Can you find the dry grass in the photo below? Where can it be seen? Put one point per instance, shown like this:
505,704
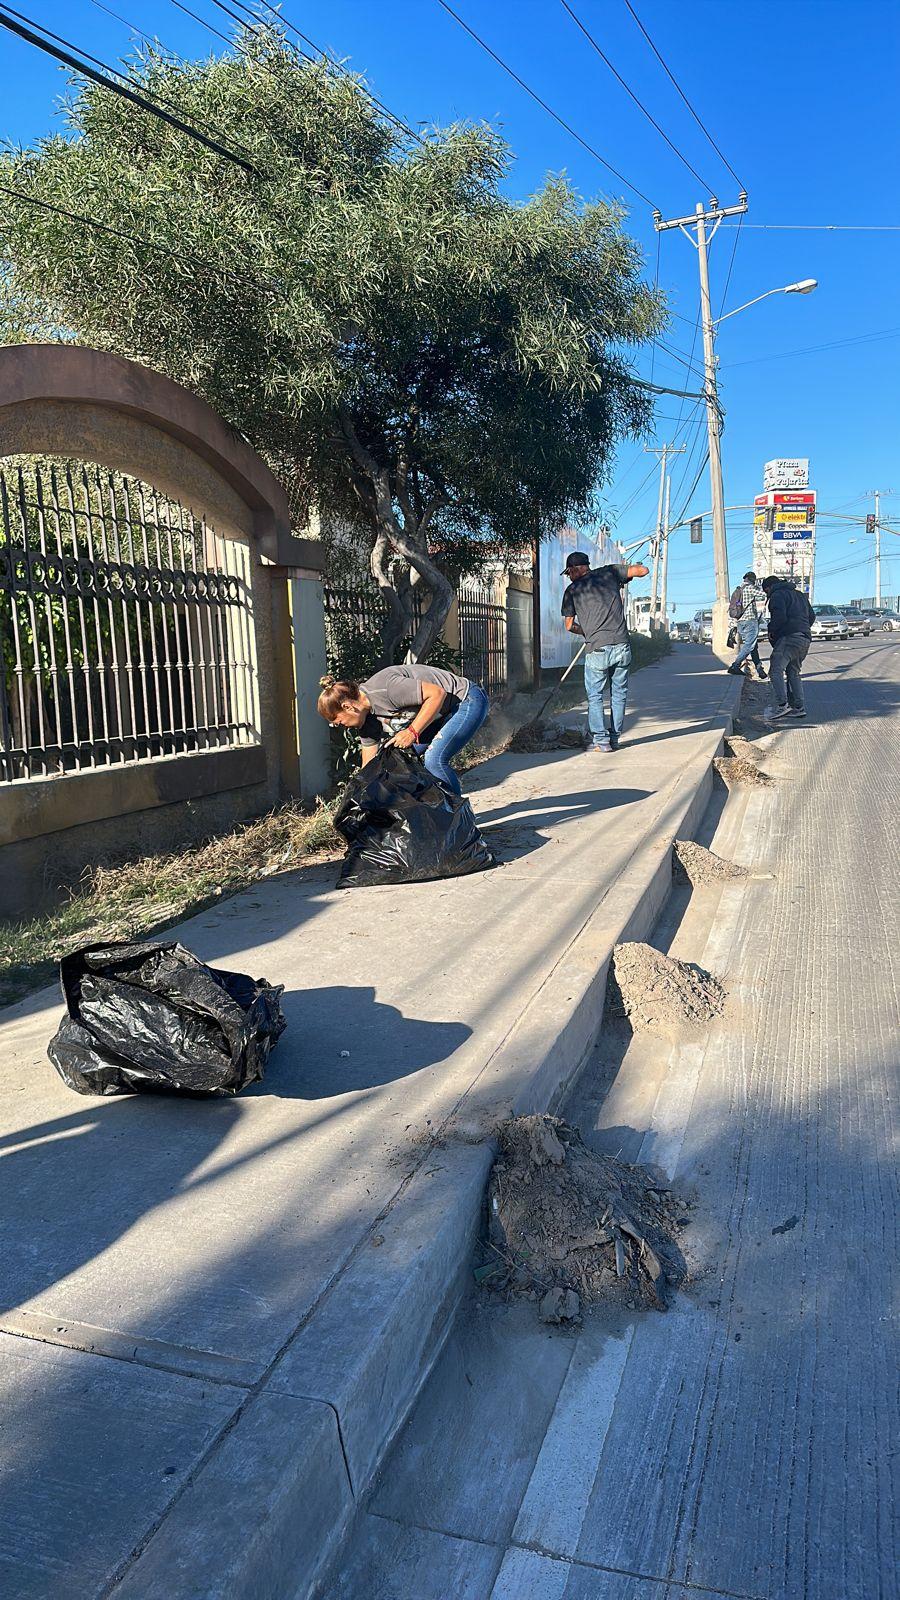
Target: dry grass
144,896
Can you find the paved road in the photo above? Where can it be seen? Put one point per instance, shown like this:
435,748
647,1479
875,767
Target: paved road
742,1444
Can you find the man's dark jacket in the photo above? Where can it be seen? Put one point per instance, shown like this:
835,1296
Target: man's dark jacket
789,612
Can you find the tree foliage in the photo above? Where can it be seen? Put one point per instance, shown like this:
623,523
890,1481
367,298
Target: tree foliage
412,352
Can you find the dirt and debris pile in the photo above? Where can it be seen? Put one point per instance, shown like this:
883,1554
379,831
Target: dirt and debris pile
534,737
740,763
659,994
568,1227
693,864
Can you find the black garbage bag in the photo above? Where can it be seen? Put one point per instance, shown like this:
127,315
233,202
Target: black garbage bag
152,1017
403,826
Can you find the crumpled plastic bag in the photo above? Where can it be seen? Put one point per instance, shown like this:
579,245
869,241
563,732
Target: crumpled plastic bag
403,826
143,1017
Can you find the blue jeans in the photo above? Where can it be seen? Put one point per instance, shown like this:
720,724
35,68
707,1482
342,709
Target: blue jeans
602,668
457,731
748,633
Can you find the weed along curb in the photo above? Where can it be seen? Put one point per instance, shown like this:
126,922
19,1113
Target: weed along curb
266,1510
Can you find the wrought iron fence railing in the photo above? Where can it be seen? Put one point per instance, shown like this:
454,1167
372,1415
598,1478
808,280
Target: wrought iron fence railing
355,612
126,625
482,633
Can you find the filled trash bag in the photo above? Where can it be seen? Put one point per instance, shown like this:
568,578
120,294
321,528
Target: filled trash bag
403,826
152,1017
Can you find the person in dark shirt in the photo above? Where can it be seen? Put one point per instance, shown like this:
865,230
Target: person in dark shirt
790,622
433,711
592,605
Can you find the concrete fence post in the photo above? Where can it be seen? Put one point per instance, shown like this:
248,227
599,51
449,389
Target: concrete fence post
310,662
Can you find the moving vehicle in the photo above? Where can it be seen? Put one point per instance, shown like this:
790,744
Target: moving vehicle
680,632
857,622
701,627
830,623
880,617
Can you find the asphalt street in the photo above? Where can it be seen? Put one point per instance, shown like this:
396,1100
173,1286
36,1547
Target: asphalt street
742,1444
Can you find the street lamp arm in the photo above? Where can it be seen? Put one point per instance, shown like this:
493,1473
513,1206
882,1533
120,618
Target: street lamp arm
805,286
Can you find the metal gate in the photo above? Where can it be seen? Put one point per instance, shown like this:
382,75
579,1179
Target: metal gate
482,633
126,624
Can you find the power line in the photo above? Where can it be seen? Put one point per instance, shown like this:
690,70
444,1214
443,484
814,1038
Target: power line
8,22
543,104
630,92
875,337
737,235
182,253
280,17
823,227
701,125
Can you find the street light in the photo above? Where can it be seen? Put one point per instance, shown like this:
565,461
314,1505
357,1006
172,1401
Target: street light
805,286
713,414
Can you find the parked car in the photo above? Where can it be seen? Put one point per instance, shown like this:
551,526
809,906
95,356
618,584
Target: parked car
680,632
830,623
857,621
880,617
701,627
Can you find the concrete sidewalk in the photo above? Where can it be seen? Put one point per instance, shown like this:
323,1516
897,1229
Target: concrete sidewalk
215,1315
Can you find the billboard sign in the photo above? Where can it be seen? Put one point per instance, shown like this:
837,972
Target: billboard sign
788,472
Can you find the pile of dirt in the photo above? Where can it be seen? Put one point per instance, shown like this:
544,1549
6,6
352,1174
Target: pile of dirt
568,1227
658,994
740,763
693,864
537,736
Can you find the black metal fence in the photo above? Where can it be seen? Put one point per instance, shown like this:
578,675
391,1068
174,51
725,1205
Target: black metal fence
355,612
126,626
482,633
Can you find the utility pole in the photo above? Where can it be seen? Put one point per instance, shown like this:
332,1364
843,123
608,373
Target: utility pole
664,452
698,222
877,493
665,556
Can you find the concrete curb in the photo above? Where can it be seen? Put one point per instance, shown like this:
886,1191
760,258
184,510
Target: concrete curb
267,1510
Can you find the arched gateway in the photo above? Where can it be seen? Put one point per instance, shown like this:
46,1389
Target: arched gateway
148,577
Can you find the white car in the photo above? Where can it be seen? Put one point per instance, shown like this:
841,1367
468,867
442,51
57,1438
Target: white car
830,624
701,627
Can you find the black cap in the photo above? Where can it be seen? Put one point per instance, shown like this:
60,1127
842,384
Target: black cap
578,558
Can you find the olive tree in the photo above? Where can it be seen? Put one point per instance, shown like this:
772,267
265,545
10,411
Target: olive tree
414,354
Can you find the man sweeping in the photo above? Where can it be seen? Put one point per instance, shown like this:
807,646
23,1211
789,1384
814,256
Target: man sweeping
592,606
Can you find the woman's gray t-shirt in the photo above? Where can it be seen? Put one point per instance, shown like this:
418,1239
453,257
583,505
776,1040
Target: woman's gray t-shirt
396,692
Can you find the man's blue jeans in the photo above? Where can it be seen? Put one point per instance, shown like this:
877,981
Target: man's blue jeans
457,731
748,633
602,668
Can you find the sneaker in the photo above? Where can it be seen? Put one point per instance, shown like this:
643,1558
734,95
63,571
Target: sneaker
734,669
777,713
796,711
602,746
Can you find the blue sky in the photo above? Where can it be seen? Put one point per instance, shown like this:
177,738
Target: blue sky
802,100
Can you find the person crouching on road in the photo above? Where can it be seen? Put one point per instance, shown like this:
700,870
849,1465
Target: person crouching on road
592,606
440,712
746,606
790,622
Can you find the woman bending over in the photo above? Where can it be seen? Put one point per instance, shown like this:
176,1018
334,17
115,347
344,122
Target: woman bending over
427,709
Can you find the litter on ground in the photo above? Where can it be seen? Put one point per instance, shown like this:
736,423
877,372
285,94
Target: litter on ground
658,994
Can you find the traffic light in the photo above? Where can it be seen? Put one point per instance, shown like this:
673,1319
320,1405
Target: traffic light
870,522
770,519
696,530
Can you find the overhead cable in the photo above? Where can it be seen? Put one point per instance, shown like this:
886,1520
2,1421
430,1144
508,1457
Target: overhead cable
543,104
671,76
335,66
630,92
137,98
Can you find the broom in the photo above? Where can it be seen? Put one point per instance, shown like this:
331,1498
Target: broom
529,735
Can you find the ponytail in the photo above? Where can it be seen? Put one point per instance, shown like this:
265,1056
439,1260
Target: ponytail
334,693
